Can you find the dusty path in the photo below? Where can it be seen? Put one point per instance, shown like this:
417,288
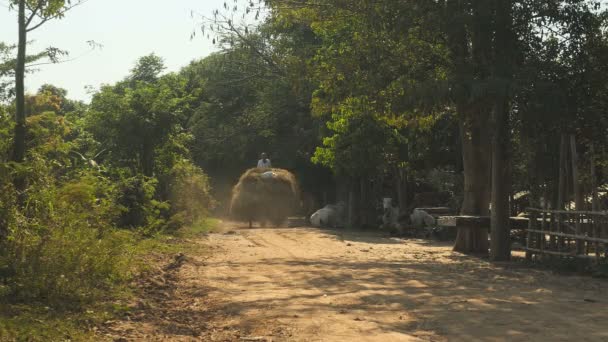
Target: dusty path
312,285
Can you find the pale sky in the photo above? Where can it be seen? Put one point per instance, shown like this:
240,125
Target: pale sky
127,29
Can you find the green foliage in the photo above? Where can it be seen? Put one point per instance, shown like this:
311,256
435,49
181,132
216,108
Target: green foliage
560,91
375,94
86,172
7,71
360,143
133,119
63,250
47,137
137,202
42,321
147,69
92,195
190,194
140,124
67,264
6,128
244,106
41,324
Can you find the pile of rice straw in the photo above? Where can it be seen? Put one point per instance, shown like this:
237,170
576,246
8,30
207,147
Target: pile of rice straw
265,195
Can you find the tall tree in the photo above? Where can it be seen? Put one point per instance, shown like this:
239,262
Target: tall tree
468,36
136,116
500,248
31,14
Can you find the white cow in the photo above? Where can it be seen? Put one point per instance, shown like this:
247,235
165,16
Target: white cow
421,218
332,215
390,218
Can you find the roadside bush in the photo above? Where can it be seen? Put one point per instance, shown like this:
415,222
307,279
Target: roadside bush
190,194
92,196
138,205
60,242
65,264
67,253
6,130
7,201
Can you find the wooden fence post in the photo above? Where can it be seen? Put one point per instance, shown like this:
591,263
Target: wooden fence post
531,226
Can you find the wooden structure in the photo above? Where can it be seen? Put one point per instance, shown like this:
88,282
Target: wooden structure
465,224
477,222
437,211
579,234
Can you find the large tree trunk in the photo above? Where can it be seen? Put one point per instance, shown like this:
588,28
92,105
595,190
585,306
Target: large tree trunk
19,146
500,244
473,117
476,162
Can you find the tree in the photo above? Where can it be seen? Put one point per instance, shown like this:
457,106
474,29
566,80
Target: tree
361,77
147,69
7,71
504,45
135,117
31,15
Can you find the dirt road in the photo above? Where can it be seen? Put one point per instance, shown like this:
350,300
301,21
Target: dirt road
313,285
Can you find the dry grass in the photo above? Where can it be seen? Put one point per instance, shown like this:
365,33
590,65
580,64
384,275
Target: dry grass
257,197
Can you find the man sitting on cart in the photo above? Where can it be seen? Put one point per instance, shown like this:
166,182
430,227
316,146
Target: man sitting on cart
264,162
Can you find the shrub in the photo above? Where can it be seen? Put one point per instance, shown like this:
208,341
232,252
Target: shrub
65,251
189,194
7,201
91,195
136,199
65,264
